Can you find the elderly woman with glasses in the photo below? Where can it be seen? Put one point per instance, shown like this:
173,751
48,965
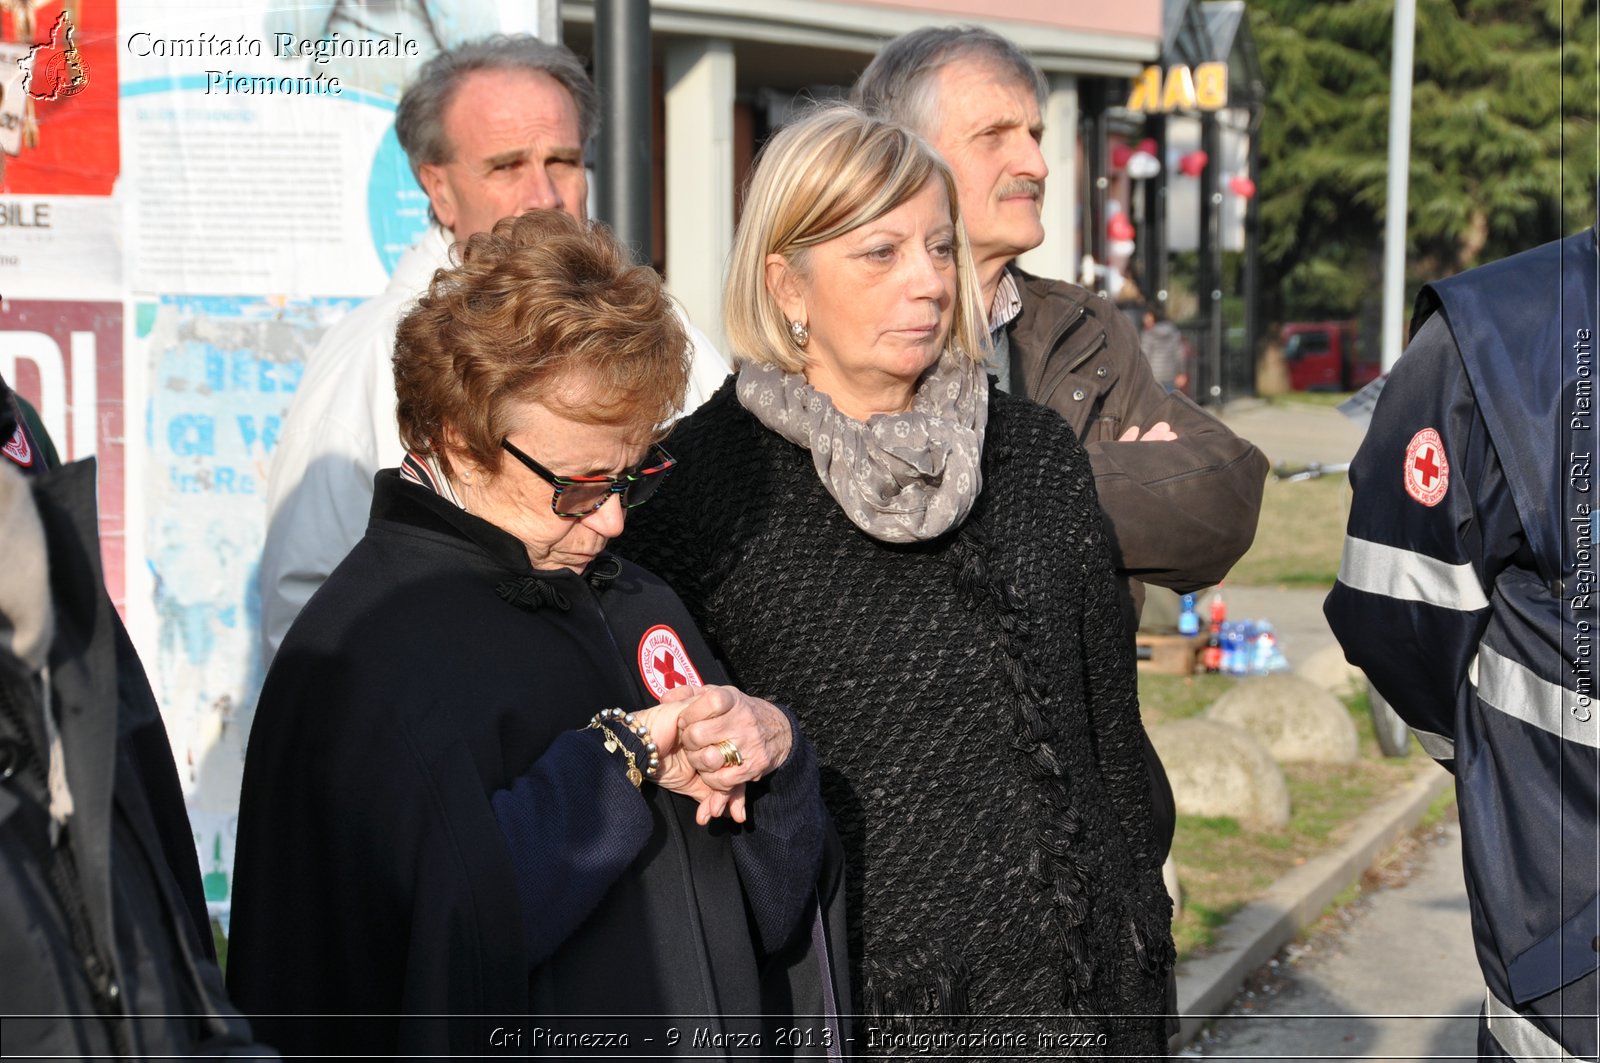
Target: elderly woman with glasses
867,530
498,795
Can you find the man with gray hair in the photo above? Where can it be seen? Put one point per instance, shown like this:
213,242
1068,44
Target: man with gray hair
1180,492
492,128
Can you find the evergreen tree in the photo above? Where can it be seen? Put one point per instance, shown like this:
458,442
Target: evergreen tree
1503,140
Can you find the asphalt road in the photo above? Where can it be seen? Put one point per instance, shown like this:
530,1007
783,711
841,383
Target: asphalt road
1391,977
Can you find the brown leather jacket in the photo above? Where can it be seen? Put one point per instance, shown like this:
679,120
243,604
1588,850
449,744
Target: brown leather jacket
1180,512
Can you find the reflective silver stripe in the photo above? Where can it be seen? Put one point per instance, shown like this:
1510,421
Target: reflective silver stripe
1520,1038
1436,746
1409,576
1516,691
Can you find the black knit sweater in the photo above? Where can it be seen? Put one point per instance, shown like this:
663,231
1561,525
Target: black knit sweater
974,707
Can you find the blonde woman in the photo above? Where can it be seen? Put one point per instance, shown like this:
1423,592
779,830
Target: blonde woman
868,532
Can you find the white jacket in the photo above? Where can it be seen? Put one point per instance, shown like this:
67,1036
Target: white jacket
341,429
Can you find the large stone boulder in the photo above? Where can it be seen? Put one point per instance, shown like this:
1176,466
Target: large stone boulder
1296,720
1328,669
1219,769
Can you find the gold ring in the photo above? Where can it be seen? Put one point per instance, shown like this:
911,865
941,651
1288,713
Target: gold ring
731,757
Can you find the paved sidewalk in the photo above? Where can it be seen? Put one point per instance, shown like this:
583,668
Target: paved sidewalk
1411,954
1293,433
1398,980
1295,612
1255,933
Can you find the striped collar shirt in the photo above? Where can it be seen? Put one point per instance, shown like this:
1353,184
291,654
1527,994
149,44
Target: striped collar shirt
426,471
1007,303
1004,310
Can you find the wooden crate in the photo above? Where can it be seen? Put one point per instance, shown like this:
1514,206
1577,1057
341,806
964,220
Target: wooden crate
1170,654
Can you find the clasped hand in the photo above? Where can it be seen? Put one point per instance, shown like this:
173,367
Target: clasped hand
1160,432
688,728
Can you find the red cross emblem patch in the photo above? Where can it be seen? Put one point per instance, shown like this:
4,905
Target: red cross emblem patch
664,663
18,450
1427,469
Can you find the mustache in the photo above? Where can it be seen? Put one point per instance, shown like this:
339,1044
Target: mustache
1022,186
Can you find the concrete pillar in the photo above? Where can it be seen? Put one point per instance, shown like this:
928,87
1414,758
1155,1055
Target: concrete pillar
699,200
1058,256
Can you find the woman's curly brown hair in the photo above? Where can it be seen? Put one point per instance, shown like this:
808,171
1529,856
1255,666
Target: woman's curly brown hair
542,307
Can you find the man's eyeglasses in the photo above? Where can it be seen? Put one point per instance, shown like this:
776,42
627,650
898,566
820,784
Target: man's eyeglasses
579,496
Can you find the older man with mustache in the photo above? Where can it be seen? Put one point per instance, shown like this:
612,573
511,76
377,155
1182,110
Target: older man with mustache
1181,512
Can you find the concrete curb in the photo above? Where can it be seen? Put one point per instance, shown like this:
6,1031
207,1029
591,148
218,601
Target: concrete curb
1207,986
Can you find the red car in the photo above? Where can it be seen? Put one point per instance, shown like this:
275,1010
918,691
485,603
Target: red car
1327,356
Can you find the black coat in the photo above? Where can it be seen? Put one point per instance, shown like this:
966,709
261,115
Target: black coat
371,877
974,706
100,950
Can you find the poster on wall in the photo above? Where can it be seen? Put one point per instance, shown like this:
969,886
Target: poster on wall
258,141
65,357
190,196
264,195
223,369
59,150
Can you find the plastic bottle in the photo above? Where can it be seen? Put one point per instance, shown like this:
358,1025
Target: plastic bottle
1219,608
1188,619
1216,646
1236,649
1260,647
1275,661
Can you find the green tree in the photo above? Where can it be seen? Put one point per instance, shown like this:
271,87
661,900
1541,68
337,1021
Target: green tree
1503,140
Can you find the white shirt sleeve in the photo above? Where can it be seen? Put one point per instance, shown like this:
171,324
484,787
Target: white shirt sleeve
707,367
340,430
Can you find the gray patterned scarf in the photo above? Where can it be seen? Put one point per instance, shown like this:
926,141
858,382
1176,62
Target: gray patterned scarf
899,477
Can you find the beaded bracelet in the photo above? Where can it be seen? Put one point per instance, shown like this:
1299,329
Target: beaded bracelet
613,743
642,731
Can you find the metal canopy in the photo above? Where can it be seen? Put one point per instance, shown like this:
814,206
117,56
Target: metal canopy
1232,41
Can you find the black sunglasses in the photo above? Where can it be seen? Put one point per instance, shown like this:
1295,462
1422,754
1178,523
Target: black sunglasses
579,496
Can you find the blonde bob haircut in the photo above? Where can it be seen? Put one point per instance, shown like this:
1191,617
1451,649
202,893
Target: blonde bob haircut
832,170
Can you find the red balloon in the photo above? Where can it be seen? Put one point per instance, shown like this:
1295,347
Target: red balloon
1120,154
1242,186
1119,227
1193,163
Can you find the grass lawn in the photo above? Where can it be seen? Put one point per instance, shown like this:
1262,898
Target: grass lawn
1325,399
1163,698
1223,865
1300,537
